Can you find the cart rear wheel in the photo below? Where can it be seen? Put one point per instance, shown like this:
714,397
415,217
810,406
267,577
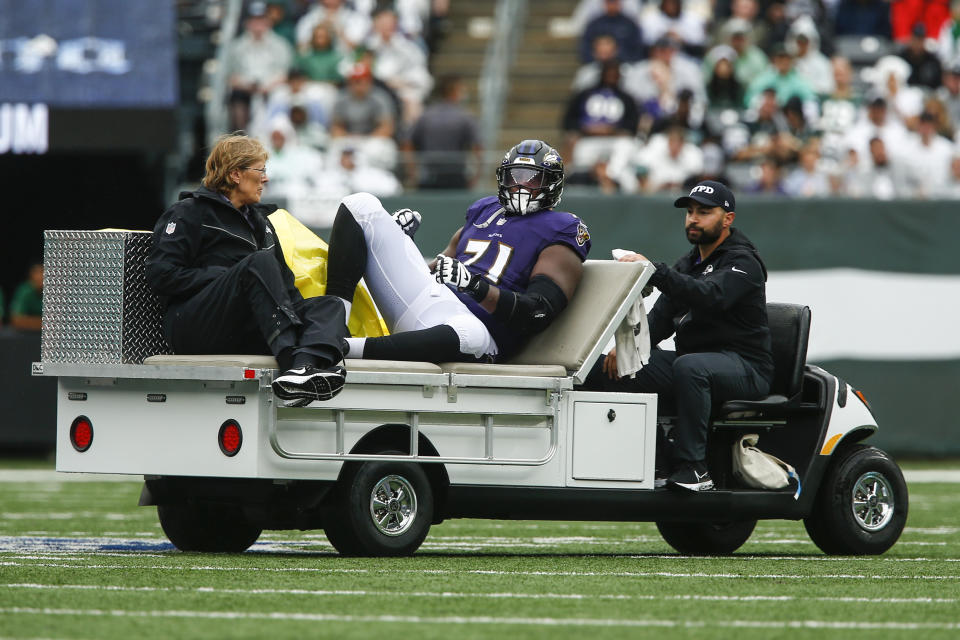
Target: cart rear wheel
861,507
207,527
380,509
706,538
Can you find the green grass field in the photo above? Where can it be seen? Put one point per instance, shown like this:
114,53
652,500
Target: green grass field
79,559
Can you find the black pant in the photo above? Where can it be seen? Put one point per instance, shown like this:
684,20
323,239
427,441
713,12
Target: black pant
248,310
693,383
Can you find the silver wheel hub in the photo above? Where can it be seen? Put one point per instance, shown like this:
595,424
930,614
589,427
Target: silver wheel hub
872,501
393,505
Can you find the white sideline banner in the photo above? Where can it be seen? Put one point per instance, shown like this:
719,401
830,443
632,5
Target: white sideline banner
871,315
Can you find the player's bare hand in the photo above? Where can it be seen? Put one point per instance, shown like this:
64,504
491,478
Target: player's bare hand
632,257
610,365
408,219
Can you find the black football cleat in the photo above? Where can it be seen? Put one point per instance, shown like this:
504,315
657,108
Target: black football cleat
690,476
303,385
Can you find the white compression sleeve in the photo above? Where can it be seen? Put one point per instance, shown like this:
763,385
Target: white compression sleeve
355,347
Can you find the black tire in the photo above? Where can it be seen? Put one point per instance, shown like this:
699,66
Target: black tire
207,527
861,507
706,538
351,523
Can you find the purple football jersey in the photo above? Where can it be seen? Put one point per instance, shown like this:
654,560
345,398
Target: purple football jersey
503,249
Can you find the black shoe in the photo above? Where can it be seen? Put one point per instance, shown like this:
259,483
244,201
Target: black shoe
690,476
303,385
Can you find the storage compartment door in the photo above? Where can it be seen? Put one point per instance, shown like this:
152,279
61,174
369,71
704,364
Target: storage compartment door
609,441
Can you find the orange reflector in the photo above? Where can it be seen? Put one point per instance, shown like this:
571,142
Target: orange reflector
830,444
230,438
249,374
81,433
862,397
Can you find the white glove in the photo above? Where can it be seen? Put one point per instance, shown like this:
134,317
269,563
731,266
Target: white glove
408,219
451,271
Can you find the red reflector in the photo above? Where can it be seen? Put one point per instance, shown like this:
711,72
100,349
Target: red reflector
249,374
230,438
81,433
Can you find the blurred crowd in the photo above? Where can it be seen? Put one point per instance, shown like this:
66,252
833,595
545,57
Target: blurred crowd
338,90
802,98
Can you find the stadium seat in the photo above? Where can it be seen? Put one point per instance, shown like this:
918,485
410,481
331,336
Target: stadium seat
862,50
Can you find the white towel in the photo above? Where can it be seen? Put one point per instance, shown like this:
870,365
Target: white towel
632,337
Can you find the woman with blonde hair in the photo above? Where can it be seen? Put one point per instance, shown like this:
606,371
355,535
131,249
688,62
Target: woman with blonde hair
226,287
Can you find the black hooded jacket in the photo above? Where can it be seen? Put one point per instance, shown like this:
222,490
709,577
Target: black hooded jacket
718,304
201,236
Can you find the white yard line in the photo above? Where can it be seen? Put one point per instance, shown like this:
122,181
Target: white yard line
484,572
484,620
915,476
474,595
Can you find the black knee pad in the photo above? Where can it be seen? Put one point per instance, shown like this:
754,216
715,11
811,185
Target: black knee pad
347,257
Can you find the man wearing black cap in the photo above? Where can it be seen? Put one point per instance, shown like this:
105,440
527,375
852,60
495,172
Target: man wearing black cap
714,300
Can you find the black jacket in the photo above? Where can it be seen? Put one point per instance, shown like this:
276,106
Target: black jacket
719,304
201,236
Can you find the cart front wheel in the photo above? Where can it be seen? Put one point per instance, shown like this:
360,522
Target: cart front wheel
861,508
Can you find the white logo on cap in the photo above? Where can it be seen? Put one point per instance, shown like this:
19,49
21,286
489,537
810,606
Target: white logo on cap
726,204
702,188
171,227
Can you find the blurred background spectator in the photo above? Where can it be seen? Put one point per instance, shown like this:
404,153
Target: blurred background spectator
587,10
948,39
594,117
350,27
927,155
443,140
320,60
655,83
612,21
724,91
26,304
292,167
351,174
782,78
670,19
769,180
803,43
925,70
363,118
258,62
604,50
876,122
949,92
399,63
808,180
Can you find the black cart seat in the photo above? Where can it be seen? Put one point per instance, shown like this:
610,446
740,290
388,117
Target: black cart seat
789,333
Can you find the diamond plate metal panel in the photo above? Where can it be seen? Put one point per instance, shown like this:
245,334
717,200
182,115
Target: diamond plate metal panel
97,307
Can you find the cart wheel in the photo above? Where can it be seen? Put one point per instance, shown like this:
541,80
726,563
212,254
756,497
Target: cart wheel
207,527
706,538
380,509
861,507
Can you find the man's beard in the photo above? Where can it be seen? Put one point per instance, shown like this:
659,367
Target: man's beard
706,236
